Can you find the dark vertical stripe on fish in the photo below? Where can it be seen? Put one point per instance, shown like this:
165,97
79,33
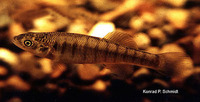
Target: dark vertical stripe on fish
85,48
157,60
143,59
55,46
96,49
106,50
74,47
116,52
64,44
125,54
134,57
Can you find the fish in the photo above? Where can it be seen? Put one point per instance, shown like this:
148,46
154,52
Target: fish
72,48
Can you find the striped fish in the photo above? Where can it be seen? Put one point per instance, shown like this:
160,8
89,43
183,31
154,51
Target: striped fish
82,49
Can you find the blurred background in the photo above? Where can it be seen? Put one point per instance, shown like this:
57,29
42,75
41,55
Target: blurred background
157,26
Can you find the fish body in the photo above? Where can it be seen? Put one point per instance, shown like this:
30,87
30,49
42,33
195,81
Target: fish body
78,48
83,49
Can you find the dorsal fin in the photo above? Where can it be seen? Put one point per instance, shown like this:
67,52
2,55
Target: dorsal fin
121,38
121,71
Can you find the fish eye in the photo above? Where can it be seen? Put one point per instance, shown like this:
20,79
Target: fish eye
28,43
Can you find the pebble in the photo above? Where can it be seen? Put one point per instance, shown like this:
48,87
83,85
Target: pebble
142,40
178,18
136,23
5,20
17,83
32,66
127,6
148,17
161,82
53,21
171,48
15,99
99,85
196,51
168,29
78,26
176,3
53,2
2,84
9,57
157,35
16,29
101,29
3,71
142,78
141,71
192,83
196,30
110,4
46,65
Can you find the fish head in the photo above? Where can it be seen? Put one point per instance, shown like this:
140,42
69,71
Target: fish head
36,43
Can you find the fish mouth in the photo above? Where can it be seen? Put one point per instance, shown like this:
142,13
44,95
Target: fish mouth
16,42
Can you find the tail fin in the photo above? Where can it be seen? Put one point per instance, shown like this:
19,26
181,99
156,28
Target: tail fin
175,64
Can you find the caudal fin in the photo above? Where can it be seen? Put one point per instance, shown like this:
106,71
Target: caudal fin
175,64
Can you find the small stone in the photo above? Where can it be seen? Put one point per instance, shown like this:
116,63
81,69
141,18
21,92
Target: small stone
16,29
53,2
136,23
110,4
50,22
178,18
9,57
2,84
78,26
127,6
3,71
46,65
32,66
51,86
142,40
161,83
171,48
142,78
140,72
176,3
196,30
148,17
192,83
101,29
17,83
15,99
5,20
168,29
196,51
157,35
194,13
99,85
